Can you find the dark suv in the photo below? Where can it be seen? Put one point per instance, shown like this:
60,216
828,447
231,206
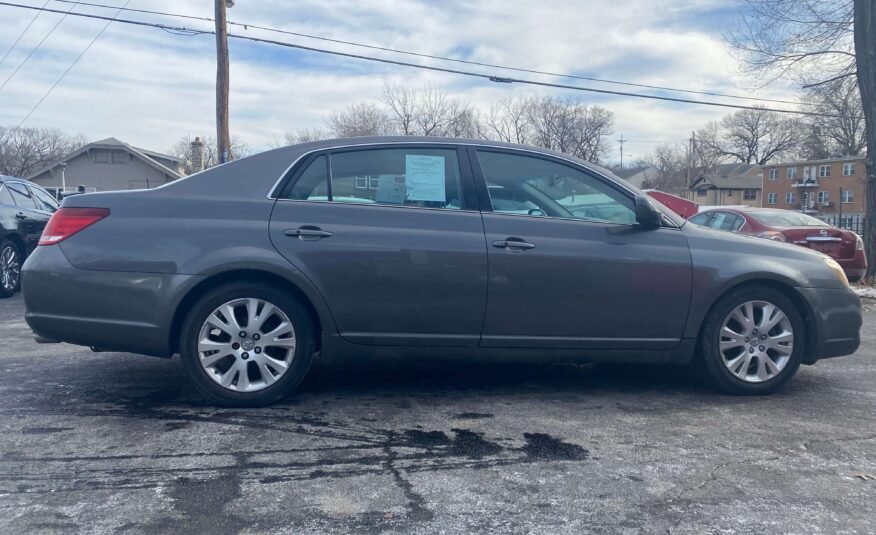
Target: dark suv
25,208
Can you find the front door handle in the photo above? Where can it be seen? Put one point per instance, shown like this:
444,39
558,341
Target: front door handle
308,233
20,215
513,243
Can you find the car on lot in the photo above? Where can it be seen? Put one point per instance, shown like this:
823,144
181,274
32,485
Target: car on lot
844,246
25,209
376,246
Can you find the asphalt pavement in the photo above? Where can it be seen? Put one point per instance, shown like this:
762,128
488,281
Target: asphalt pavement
119,443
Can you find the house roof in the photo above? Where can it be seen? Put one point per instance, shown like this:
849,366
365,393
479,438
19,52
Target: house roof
629,172
113,143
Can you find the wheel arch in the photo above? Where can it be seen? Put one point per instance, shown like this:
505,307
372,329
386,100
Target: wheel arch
18,242
785,288
319,314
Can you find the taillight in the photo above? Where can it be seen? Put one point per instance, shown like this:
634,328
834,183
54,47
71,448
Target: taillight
773,235
859,243
68,221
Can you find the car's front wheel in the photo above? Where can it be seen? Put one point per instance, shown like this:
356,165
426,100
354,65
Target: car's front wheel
752,341
247,344
10,269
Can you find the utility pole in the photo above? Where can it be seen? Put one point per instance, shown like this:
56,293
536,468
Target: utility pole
691,147
621,141
223,137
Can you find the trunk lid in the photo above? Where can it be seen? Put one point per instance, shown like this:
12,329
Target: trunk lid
832,241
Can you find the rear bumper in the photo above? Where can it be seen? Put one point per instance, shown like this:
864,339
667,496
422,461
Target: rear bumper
855,267
837,321
118,311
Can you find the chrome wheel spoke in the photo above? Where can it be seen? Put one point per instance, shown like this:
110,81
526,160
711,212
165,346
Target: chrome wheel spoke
230,344
770,353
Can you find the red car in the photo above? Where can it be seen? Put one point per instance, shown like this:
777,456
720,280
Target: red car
844,246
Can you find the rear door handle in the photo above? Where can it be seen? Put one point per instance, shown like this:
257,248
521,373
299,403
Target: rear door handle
307,233
513,243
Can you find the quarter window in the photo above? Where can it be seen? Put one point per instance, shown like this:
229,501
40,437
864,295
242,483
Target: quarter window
45,201
524,185
700,219
312,183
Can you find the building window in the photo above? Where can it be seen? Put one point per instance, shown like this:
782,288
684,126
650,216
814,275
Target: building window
373,182
120,156
792,172
848,196
789,197
848,169
824,171
771,198
361,182
701,193
730,193
101,156
822,196
774,174
749,195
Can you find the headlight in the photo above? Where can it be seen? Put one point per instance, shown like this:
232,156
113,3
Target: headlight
837,270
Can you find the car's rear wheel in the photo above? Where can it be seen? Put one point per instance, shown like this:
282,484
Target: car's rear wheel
247,344
752,342
10,269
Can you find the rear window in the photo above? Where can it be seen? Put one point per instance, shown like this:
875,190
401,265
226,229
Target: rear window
786,218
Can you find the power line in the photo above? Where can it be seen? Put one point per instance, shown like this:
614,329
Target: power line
492,78
444,58
75,61
24,31
34,49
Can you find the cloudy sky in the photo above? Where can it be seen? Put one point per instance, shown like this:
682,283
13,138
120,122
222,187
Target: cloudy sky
149,87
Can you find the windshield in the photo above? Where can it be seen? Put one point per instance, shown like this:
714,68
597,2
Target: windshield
786,218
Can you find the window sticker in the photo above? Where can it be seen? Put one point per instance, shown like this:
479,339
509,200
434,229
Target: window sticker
390,189
424,178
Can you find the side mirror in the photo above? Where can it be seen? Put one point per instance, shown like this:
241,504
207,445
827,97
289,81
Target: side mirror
647,215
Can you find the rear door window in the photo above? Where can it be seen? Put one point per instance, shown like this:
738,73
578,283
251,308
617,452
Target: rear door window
5,196
21,195
412,177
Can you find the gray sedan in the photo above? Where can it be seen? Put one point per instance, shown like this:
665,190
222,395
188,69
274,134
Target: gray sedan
365,246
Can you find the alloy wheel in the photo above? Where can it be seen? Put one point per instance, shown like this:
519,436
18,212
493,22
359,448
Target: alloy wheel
10,268
756,341
246,344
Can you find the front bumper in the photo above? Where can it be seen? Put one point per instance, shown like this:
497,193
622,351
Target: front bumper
836,316
111,310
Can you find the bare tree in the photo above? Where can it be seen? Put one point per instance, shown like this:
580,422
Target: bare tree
183,149
671,161
825,39
429,112
508,121
845,127
305,135
752,136
362,119
566,125
24,151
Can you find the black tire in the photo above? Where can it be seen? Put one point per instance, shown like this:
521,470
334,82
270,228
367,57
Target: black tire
13,249
710,359
301,359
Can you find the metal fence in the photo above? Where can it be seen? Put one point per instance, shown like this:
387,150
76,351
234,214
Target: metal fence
854,222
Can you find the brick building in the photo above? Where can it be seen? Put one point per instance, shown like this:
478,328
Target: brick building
823,188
